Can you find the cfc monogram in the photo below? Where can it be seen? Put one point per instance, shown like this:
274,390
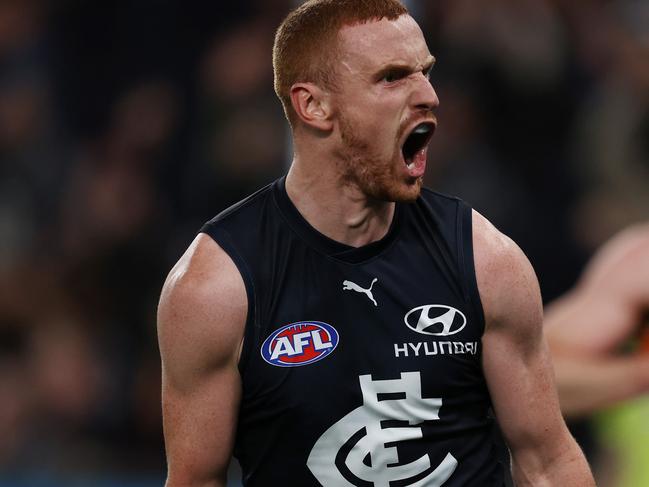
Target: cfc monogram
383,466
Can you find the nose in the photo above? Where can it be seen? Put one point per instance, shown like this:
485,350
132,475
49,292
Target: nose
424,96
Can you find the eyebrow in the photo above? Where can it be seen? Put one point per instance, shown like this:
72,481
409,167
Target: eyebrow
405,67
430,63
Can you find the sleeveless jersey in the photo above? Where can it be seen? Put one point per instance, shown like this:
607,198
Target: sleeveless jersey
360,366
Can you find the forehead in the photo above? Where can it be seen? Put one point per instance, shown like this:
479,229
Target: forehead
376,43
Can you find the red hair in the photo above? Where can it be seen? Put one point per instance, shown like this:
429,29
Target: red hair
306,41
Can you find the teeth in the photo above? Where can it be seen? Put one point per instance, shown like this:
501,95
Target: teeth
421,129
411,165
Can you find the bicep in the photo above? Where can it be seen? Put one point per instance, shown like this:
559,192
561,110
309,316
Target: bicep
520,378
200,327
199,426
516,360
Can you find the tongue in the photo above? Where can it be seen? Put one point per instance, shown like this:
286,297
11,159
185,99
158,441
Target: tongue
417,165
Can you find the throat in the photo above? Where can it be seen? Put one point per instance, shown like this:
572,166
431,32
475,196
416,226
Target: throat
367,225
341,214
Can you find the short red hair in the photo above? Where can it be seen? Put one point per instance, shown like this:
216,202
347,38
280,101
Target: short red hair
306,41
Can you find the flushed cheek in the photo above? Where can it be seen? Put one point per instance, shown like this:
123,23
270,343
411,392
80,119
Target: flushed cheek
385,134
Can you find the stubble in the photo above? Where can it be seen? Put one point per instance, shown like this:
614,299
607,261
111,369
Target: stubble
375,175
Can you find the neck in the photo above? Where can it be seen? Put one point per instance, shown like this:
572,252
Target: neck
335,207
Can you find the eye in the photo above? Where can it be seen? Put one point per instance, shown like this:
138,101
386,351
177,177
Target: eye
393,75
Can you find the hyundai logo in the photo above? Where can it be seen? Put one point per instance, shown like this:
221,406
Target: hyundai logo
435,319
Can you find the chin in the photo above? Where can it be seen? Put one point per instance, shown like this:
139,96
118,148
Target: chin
379,177
398,192
409,192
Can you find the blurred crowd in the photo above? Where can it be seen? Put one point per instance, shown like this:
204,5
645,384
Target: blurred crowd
125,125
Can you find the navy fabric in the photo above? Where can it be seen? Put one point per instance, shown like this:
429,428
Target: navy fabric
408,323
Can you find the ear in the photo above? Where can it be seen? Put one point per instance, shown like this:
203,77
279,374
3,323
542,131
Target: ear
312,105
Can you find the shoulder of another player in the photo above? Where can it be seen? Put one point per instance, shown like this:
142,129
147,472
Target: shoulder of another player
507,284
203,305
620,266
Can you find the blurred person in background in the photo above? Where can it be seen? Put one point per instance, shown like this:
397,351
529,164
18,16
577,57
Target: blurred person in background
599,337
589,327
239,368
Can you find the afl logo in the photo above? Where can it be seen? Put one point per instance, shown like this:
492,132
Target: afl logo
435,319
301,343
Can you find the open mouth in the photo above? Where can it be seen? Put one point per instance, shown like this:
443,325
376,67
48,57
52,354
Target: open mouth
417,141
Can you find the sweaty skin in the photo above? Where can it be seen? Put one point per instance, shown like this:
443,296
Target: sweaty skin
347,171
517,366
589,327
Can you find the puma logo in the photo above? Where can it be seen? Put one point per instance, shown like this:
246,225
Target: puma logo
352,286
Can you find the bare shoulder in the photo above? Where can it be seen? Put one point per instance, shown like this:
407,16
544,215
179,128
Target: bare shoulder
517,366
621,266
508,286
624,248
201,318
605,307
202,311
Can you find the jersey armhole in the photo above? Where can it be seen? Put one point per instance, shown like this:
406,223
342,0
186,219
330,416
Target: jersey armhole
222,237
467,262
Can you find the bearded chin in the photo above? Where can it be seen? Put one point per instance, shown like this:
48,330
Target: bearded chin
400,192
408,192
375,176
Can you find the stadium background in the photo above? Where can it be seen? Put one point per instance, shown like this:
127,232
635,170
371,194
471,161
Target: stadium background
125,125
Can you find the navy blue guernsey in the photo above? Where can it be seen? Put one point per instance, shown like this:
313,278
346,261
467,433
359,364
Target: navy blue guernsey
360,366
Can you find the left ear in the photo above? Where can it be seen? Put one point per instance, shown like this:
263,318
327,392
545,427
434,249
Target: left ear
312,105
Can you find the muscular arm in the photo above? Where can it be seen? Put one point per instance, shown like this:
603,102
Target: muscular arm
587,327
517,366
201,318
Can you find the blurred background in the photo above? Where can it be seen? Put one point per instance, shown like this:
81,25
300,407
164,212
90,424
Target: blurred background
125,125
